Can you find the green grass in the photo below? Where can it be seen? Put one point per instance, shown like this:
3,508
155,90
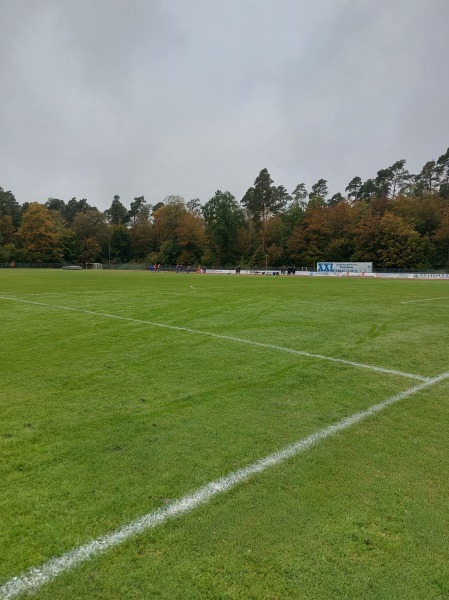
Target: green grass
105,419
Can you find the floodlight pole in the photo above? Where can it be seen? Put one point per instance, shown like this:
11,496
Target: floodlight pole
266,262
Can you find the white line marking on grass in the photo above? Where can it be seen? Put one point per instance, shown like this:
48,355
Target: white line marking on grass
36,577
83,292
434,304
225,337
424,300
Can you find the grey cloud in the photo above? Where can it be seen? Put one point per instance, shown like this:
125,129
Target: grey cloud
166,97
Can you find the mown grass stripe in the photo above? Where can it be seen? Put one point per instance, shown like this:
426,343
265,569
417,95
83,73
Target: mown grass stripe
36,577
227,338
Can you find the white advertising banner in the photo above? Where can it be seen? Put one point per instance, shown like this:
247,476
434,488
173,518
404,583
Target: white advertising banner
344,267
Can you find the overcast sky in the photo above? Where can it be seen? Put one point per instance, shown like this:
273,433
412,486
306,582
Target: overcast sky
185,97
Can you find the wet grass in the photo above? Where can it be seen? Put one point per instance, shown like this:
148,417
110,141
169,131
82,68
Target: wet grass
106,419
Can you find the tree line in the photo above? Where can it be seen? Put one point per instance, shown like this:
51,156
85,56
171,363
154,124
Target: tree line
396,220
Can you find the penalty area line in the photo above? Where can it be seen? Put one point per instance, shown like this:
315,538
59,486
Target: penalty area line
229,338
36,577
424,300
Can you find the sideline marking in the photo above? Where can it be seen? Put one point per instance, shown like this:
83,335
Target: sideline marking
36,577
225,337
425,300
92,292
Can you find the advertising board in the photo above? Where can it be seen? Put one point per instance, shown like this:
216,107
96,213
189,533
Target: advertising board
344,267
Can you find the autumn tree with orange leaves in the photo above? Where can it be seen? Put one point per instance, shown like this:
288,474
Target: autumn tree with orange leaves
39,235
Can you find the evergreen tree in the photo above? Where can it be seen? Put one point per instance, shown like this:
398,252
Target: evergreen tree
300,194
353,188
10,206
136,206
317,196
223,218
400,177
263,200
443,174
117,213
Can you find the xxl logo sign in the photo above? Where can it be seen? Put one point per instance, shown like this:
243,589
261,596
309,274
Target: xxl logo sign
324,266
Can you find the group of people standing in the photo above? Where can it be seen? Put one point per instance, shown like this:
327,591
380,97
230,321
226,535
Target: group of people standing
290,270
180,268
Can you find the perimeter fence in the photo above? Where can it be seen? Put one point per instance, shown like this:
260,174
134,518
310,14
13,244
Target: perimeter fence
147,267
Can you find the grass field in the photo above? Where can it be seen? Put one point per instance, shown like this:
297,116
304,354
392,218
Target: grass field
123,392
